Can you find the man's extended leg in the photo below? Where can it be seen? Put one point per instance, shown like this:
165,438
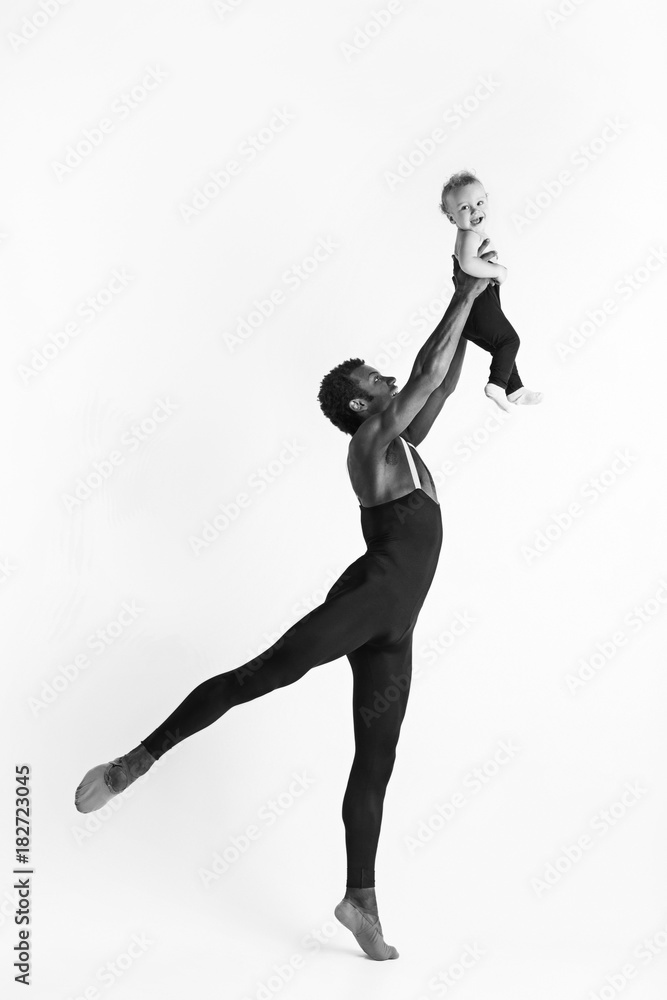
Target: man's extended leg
382,677
336,627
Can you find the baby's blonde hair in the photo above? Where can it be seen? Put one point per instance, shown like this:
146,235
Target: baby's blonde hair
455,182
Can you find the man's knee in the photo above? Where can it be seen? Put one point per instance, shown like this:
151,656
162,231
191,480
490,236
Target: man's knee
385,766
377,768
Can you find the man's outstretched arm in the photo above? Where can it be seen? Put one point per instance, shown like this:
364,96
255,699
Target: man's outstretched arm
417,430
422,422
431,366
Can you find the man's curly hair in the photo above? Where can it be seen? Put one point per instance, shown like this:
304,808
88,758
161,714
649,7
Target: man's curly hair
455,182
336,391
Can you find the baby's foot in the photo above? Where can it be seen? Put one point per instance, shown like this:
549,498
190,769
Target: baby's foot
498,396
366,929
525,397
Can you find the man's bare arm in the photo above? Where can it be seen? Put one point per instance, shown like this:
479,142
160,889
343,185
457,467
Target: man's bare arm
424,419
428,372
419,427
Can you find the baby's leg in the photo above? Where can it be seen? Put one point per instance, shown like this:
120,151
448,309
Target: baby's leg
514,381
489,328
493,331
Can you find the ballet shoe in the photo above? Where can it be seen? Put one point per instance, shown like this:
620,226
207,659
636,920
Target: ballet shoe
95,790
369,935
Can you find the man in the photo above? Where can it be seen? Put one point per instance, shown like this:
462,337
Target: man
370,611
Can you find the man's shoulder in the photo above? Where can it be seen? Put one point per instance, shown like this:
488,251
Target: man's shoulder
366,443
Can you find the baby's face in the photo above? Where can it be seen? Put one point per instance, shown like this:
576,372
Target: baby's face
466,207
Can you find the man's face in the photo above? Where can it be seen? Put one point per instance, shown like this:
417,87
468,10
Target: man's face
467,207
381,387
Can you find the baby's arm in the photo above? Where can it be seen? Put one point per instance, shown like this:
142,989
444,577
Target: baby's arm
472,264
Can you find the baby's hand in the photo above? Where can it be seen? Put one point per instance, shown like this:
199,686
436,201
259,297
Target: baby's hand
502,275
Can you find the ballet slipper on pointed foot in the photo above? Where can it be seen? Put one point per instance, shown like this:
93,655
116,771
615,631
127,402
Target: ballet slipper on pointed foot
369,937
94,790
102,782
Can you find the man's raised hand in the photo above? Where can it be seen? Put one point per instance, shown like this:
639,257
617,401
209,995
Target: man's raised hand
465,284
490,255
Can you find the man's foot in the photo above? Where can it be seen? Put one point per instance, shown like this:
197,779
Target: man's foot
498,396
525,397
358,912
104,781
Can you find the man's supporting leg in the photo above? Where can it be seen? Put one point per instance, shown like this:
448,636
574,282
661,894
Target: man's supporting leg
382,677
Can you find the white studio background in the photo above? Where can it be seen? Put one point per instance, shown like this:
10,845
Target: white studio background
124,294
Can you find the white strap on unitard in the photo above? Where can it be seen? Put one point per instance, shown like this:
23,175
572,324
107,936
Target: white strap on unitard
411,463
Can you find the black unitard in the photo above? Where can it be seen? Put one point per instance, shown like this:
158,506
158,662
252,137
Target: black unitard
488,327
368,615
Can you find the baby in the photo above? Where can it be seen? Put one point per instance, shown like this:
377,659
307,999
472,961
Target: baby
464,202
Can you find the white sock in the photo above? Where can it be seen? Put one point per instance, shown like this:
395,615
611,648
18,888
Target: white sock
525,397
498,396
